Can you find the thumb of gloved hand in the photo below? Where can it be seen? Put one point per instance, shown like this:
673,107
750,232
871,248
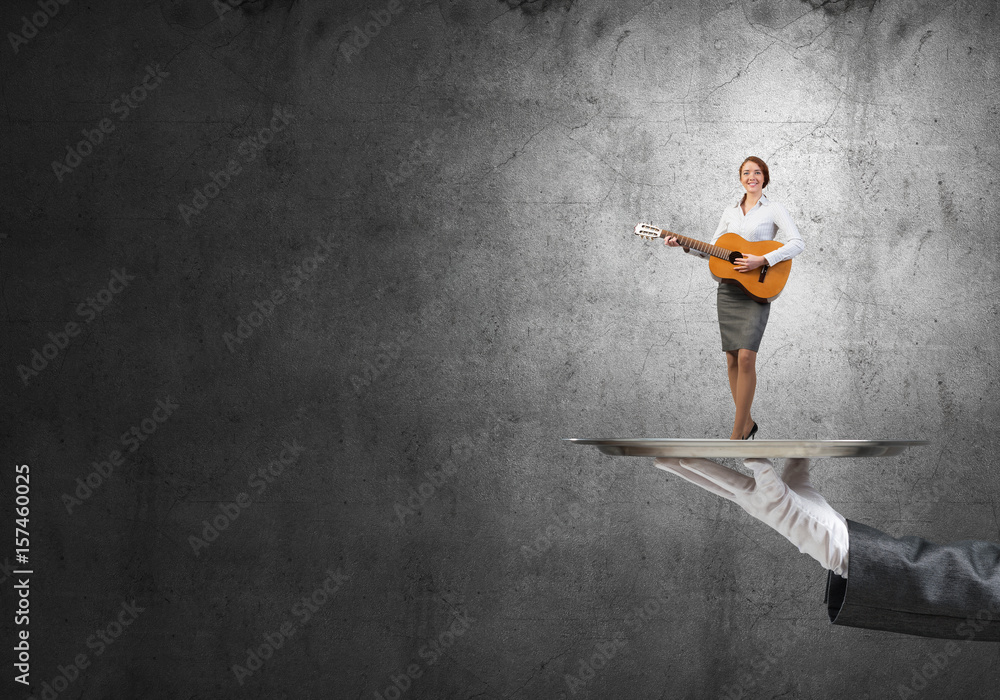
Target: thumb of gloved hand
809,523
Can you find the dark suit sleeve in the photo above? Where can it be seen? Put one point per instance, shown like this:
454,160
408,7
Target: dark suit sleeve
912,586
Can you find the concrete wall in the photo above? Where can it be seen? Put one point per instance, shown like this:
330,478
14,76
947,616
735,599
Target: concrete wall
397,293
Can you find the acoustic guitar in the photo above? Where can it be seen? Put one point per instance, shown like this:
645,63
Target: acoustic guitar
762,284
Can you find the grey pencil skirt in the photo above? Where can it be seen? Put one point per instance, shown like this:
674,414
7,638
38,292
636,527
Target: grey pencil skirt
741,319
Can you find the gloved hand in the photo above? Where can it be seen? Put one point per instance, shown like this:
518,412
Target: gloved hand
791,506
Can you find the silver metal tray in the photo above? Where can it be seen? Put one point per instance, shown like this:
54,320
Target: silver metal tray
674,447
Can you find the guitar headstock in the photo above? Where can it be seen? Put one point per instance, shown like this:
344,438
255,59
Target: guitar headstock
647,231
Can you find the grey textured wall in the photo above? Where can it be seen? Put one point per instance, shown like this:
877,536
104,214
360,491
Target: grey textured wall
352,331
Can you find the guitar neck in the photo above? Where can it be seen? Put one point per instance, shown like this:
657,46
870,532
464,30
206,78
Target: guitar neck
701,246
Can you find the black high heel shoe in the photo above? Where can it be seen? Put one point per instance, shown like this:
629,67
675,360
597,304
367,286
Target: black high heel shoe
753,431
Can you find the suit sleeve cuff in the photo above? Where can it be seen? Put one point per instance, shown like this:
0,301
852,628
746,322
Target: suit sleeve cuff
912,586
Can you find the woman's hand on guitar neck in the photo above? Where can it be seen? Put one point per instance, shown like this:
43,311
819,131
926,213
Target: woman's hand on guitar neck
749,262
672,242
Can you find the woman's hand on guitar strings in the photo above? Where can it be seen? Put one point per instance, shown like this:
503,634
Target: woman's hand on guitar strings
750,262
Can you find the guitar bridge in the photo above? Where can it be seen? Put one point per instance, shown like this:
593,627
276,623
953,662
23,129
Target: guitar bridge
763,271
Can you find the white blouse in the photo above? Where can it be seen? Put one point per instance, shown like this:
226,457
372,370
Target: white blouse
762,223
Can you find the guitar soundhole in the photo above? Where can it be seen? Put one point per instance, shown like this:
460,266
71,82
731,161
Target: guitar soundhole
734,256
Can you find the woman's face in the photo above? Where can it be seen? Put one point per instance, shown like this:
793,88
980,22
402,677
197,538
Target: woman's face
752,177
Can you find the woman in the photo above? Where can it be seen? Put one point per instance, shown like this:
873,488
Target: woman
741,319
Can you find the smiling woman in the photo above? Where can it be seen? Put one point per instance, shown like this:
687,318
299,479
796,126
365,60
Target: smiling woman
742,319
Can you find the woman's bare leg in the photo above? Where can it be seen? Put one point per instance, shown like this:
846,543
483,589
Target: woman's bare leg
743,388
733,369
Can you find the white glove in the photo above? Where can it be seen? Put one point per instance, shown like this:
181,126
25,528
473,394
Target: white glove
791,507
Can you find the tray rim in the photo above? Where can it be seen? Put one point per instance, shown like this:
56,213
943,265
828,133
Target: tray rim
783,448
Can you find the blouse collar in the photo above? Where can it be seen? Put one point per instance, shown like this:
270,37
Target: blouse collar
761,202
